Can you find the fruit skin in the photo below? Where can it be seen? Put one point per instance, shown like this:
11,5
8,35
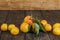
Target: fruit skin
56,25
14,31
4,27
28,19
11,26
56,31
35,28
24,27
44,22
48,27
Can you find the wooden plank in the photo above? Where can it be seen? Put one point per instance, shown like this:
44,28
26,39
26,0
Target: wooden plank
3,15
48,16
29,4
41,36
15,17
52,17
56,17
34,13
32,36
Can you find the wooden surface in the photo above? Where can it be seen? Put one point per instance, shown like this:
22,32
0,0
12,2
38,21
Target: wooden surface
29,4
16,17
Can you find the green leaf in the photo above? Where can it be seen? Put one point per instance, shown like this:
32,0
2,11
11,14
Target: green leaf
41,26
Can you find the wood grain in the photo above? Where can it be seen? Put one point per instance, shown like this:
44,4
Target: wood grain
29,4
41,36
52,17
3,17
16,17
17,20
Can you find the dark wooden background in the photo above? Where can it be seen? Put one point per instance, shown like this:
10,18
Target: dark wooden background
16,17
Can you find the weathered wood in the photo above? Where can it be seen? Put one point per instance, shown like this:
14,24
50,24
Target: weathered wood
56,17
52,17
3,15
15,17
41,36
29,4
34,13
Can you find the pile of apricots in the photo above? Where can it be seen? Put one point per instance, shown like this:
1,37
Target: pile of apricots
32,24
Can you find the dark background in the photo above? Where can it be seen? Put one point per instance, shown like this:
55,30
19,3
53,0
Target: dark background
16,17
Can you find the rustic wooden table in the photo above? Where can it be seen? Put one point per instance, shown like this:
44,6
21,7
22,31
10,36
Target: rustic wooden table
16,17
